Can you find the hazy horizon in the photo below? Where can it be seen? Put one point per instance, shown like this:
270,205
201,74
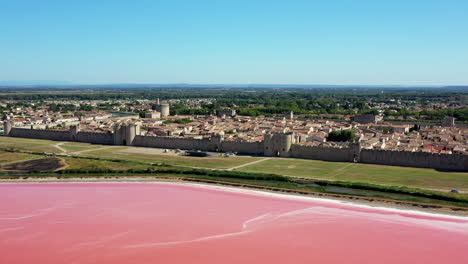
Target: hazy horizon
312,85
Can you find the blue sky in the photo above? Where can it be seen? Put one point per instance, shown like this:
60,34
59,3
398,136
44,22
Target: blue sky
295,42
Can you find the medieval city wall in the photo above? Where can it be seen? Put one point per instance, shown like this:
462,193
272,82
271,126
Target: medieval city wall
173,143
242,147
322,153
345,154
95,138
415,159
61,135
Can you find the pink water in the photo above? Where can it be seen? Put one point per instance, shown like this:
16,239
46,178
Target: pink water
175,223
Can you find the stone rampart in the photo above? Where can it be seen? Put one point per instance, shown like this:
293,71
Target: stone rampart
274,145
95,138
345,154
242,147
173,143
415,159
61,135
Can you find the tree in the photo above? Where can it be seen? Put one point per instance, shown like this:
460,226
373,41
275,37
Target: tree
347,135
361,105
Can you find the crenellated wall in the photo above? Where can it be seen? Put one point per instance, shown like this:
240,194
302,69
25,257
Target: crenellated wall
274,145
173,143
95,138
242,147
345,154
62,135
415,159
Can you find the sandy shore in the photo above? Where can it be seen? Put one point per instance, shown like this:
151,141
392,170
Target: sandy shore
360,200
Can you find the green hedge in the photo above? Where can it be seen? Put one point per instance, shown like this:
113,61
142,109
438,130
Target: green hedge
212,173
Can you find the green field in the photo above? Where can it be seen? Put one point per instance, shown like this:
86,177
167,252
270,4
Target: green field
139,158
73,163
29,144
121,152
75,146
358,172
8,157
86,164
170,159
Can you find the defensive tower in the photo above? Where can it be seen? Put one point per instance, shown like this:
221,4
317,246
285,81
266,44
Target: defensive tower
278,145
124,134
7,126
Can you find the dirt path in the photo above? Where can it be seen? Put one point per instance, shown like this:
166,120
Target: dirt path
89,150
247,164
58,146
341,170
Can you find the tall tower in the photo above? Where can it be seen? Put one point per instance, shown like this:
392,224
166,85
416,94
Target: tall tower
289,115
124,134
7,126
164,109
74,130
216,142
278,145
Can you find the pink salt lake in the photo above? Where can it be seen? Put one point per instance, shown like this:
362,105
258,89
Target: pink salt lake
180,223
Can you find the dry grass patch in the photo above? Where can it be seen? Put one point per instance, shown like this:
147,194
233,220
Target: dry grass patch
46,164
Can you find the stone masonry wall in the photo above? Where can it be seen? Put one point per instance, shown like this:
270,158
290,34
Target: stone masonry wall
41,134
173,143
322,153
95,138
345,154
415,159
242,147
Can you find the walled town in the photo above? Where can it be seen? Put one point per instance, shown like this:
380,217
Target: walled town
370,139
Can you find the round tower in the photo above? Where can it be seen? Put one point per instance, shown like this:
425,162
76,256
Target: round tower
277,145
130,134
7,126
164,109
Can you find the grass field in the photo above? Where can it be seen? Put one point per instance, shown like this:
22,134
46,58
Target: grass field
8,157
86,164
170,159
120,152
29,144
75,146
352,172
358,172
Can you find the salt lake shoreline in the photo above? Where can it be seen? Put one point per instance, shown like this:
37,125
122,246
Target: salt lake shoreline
371,202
